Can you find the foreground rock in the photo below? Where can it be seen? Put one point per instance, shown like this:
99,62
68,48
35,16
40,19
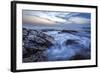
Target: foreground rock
34,42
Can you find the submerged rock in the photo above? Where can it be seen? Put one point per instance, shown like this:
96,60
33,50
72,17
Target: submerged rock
71,42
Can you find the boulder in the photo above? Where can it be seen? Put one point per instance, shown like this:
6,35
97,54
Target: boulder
37,39
34,43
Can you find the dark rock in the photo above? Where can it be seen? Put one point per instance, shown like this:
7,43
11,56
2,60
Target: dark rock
37,39
71,42
69,31
27,52
25,32
81,56
78,57
32,58
35,57
34,43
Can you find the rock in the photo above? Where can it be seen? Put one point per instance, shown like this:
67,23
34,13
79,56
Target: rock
32,58
25,32
81,55
34,43
78,57
35,57
27,52
71,42
37,39
69,31
32,32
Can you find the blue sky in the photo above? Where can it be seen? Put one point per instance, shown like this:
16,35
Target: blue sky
55,18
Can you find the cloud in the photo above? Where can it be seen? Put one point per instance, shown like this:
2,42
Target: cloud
79,20
51,17
36,20
68,15
42,17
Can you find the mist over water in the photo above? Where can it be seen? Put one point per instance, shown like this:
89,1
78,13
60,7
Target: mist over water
61,51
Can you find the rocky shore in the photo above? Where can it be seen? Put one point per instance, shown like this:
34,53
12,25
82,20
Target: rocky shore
34,44
55,45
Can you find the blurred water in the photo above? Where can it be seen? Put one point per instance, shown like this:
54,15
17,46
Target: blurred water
61,51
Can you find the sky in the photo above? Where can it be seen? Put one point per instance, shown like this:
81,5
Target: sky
55,18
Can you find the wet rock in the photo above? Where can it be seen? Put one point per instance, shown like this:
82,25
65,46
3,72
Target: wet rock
37,56
71,42
25,32
32,58
34,43
69,31
81,56
37,39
